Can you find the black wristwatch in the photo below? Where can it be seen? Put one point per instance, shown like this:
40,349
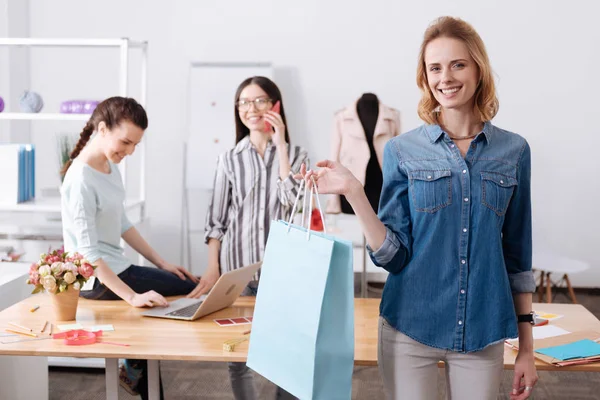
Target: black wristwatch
530,318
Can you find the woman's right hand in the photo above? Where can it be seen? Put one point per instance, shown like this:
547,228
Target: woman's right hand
331,178
148,299
207,281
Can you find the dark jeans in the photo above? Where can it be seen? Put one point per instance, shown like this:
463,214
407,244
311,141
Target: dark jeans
141,280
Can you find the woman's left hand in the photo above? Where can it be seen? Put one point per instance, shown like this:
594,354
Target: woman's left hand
278,126
525,376
179,271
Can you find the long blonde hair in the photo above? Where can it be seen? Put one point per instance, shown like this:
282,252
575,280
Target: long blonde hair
486,104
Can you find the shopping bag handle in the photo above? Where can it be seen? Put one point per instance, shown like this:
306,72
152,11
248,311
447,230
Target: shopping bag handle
313,189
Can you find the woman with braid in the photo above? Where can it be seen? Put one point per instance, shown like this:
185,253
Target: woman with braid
94,221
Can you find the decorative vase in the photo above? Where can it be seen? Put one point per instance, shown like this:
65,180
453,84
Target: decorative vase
65,304
31,102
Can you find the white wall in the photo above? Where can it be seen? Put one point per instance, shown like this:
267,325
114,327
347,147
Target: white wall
545,55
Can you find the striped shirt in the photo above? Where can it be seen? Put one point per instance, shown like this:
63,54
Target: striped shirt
247,195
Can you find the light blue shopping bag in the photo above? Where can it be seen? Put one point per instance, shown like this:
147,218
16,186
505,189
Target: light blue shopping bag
303,327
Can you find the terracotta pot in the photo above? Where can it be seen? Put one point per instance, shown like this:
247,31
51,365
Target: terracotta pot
65,304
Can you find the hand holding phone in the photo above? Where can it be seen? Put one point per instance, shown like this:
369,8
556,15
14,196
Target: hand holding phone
276,108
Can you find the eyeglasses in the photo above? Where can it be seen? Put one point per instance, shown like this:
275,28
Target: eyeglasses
260,104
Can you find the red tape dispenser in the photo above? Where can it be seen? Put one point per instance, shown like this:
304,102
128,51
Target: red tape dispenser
78,337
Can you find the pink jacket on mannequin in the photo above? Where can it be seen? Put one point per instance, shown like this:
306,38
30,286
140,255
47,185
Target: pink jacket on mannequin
349,144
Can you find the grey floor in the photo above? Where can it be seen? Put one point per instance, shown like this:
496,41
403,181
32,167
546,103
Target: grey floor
196,380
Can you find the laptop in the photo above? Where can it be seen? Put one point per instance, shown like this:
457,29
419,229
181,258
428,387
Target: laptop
227,289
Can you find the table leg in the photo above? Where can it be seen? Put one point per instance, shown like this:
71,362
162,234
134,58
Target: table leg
548,288
153,380
112,381
570,288
541,287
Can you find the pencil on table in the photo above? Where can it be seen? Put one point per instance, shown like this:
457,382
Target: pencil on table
50,331
20,333
21,327
44,327
34,308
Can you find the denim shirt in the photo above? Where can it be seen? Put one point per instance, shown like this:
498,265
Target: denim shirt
458,240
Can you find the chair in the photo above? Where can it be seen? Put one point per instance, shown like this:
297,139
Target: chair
549,264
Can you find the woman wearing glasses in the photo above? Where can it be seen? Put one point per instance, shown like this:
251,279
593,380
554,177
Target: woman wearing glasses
253,185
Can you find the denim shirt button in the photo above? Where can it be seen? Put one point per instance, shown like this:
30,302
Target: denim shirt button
465,230
462,291
463,261
460,322
464,171
466,199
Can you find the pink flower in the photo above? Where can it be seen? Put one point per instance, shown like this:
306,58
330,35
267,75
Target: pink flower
86,270
77,256
34,278
70,267
34,267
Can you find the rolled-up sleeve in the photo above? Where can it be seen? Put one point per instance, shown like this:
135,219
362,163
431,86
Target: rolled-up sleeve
287,189
218,210
517,230
394,212
83,203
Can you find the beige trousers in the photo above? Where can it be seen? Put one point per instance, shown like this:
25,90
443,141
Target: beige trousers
409,369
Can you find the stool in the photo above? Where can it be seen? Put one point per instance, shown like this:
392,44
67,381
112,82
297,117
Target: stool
549,264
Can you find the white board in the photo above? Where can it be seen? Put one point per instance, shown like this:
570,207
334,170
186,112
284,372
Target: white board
211,115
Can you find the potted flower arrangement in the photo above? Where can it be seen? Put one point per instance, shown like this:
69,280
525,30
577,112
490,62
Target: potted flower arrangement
61,275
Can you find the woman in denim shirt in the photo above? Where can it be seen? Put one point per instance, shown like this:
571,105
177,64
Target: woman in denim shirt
454,231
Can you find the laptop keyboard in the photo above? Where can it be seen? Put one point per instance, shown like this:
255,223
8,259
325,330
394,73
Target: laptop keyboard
188,311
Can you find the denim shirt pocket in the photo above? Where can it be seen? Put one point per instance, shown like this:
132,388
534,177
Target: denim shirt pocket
496,191
431,189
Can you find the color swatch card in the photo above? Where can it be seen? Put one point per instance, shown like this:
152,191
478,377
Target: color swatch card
234,321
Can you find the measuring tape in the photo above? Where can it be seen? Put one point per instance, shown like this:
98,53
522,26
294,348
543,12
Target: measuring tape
78,337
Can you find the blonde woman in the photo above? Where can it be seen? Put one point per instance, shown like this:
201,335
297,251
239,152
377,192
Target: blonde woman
454,231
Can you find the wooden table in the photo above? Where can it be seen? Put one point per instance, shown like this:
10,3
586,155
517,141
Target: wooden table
202,340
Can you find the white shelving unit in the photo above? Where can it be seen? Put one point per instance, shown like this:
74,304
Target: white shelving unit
43,117
124,45
25,221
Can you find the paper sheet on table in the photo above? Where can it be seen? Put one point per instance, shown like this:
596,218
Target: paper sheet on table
69,327
543,332
548,316
580,349
103,328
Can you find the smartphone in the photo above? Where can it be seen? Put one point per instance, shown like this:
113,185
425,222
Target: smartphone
276,109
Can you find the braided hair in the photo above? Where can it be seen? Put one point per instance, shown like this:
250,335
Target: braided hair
112,112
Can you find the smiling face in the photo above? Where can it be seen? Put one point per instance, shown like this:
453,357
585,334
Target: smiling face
452,74
252,104
120,141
